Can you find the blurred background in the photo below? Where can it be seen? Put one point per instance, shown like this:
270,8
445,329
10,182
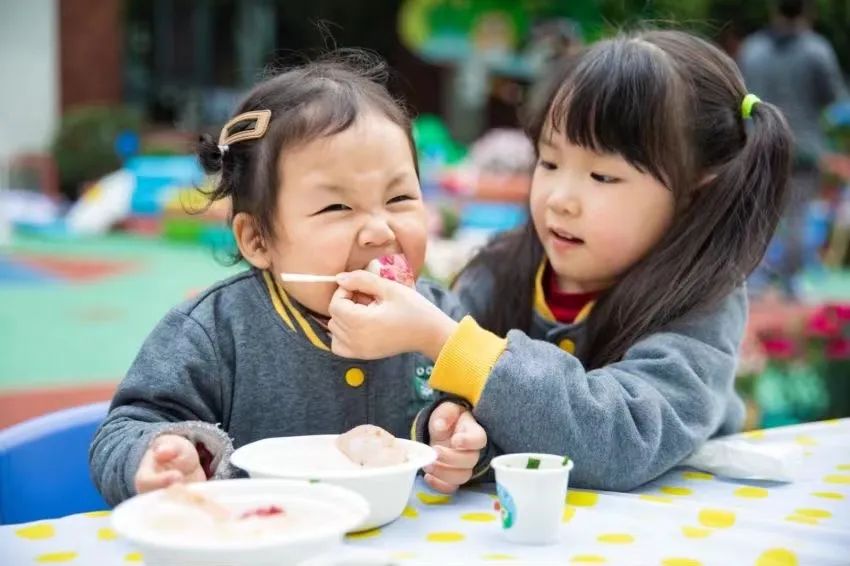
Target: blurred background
101,102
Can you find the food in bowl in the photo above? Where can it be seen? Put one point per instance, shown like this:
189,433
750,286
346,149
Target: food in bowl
238,522
385,484
370,446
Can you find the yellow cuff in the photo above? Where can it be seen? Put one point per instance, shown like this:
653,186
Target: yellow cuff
466,360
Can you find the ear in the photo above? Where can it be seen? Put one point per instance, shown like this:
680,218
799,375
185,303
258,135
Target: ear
251,244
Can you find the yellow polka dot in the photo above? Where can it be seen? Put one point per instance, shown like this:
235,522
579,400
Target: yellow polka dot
445,536
751,492
828,495
814,513
410,512
97,514
831,421
55,557
804,440
695,532
372,533
697,476
588,559
355,377
680,562
39,531
674,490
843,467
801,519
754,435
777,557
716,518
497,557
616,538
657,498
106,534
569,513
478,517
567,345
808,453
840,479
402,555
133,557
433,498
582,498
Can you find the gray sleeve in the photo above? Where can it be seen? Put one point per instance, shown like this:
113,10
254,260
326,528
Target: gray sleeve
447,301
172,387
630,421
474,289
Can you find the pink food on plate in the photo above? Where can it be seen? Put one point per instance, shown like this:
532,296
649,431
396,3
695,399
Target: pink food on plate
393,267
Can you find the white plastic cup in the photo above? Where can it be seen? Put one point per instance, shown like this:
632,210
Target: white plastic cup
532,491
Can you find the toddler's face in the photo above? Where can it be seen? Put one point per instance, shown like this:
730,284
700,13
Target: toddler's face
344,200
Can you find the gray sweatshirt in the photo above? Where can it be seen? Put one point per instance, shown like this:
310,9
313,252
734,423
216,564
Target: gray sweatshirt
623,424
242,362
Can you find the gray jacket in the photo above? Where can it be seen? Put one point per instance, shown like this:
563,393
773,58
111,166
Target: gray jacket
623,424
242,362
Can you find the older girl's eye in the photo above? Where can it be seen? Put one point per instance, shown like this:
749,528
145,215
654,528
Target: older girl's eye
607,179
334,208
547,165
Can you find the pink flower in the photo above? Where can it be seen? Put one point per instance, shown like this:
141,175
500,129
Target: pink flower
823,324
842,312
779,348
838,349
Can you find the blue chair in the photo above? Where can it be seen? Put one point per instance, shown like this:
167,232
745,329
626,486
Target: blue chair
44,470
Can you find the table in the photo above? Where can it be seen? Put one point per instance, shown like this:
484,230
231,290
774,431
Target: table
684,518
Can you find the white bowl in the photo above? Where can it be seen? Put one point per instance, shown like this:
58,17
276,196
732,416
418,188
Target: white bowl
316,459
154,525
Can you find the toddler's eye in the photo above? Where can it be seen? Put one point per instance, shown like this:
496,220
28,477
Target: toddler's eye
400,198
547,165
334,208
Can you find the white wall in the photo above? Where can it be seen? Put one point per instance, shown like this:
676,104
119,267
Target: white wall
29,76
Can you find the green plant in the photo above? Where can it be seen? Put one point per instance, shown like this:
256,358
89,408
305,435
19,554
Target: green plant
84,144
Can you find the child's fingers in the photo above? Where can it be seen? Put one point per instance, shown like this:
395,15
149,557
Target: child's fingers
441,423
457,458
164,453
187,460
439,485
469,435
449,474
149,480
362,282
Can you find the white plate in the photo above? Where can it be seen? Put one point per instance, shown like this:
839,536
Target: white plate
317,459
320,515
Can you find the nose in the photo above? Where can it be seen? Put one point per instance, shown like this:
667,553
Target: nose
565,200
376,233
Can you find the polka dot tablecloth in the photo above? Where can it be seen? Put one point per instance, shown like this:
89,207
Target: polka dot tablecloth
684,518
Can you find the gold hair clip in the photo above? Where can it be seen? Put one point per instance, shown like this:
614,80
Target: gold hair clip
261,120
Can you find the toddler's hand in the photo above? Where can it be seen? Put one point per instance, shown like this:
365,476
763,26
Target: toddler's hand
169,459
458,439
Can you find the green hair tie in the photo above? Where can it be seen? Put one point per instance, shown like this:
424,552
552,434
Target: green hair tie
747,105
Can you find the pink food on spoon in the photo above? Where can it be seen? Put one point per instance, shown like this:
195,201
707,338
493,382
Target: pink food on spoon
393,267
